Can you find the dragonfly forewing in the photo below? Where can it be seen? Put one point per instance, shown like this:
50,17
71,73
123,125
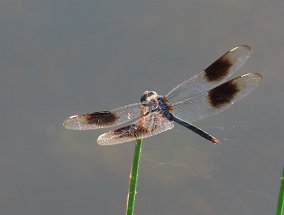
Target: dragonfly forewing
217,73
103,119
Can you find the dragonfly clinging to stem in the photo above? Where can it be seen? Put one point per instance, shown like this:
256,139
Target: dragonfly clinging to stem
200,96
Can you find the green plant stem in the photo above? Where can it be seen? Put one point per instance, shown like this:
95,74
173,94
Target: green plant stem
280,204
133,179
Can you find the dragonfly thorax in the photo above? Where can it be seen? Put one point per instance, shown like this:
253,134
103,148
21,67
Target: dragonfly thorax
154,102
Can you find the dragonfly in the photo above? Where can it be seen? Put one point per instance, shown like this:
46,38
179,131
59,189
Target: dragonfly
200,96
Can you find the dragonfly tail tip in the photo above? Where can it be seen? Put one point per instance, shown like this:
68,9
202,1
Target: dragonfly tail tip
215,141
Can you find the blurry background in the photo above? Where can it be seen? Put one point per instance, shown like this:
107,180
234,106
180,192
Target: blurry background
59,58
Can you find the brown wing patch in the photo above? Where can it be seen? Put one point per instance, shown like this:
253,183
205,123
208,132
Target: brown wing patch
223,94
123,134
219,69
100,118
130,131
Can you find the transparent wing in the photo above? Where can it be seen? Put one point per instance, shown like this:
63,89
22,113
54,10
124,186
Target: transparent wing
215,74
217,99
103,119
147,126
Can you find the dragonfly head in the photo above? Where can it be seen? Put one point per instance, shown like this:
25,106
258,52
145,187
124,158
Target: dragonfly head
149,98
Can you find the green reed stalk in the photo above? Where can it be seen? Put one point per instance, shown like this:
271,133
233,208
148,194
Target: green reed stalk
133,179
280,205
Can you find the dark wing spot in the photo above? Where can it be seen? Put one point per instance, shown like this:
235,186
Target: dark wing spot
126,131
100,118
130,131
223,94
219,69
